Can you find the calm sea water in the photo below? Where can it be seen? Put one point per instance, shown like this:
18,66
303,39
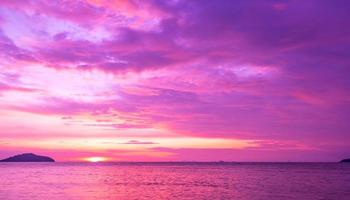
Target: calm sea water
112,181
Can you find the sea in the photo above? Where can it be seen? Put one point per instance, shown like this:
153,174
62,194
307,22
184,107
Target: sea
118,181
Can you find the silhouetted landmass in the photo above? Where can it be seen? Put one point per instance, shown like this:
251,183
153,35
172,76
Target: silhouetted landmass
28,157
346,160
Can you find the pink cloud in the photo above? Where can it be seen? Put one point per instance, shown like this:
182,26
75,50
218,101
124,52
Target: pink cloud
271,72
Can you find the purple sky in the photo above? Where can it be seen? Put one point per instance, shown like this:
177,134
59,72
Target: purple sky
176,80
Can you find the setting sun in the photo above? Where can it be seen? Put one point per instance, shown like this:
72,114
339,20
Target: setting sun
96,159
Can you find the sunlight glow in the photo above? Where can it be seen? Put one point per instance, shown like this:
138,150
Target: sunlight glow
96,159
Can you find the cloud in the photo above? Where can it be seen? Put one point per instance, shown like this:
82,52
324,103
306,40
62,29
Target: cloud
138,142
271,71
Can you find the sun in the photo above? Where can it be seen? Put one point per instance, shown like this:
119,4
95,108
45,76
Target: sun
95,159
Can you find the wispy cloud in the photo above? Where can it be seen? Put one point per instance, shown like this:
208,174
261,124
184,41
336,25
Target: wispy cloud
138,142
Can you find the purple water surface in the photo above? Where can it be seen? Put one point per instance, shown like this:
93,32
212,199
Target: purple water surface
111,181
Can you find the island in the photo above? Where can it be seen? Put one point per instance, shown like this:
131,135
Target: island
28,157
345,160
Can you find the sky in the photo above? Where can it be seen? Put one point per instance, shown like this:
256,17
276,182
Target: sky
175,80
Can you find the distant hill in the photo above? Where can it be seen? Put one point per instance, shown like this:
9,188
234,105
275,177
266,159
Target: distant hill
345,160
28,157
